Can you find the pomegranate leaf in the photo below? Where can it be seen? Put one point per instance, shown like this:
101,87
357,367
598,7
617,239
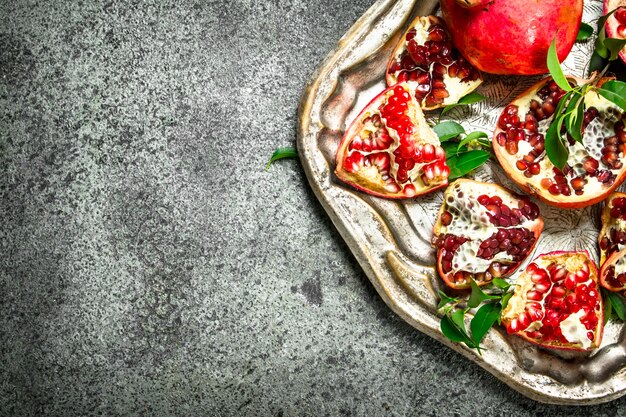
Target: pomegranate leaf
614,46
584,32
452,148
476,136
453,327
478,296
463,163
483,320
617,304
554,66
555,149
448,130
600,47
574,115
614,91
596,63
505,300
445,300
467,99
500,283
282,153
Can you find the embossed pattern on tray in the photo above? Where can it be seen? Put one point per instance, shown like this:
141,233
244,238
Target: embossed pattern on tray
391,239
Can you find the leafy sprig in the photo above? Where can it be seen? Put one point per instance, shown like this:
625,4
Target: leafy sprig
490,306
569,114
464,151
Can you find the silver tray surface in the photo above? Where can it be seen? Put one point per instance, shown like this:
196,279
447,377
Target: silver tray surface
391,239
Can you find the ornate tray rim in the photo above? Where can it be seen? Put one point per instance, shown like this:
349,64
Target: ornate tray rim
397,291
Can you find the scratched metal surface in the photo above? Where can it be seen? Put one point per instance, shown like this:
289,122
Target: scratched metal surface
390,239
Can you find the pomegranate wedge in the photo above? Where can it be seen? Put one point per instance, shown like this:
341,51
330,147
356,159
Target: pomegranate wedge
390,151
557,303
612,237
594,168
435,71
483,231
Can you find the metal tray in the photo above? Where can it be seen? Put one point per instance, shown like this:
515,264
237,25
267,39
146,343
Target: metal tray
390,239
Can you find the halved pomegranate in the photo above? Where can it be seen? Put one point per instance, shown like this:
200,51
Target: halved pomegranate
557,303
390,151
435,71
612,237
594,168
616,23
483,231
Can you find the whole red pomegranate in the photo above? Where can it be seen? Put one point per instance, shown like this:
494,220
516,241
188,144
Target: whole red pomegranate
512,36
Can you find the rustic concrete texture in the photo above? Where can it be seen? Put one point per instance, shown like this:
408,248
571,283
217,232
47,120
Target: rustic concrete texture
151,266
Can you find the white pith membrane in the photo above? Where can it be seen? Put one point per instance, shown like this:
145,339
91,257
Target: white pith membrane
455,86
470,220
620,265
600,128
572,327
370,175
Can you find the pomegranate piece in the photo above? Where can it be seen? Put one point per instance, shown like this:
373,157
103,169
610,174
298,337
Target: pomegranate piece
390,151
428,62
616,23
557,303
612,237
613,272
483,231
594,168
512,36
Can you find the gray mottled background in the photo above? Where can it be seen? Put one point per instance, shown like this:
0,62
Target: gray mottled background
151,266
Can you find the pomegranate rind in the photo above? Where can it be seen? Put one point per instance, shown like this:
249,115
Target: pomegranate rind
612,23
422,133
439,228
611,261
532,185
517,44
517,302
455,94
607,223
473,3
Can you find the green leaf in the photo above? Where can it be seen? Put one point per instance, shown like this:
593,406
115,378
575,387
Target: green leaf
584,32
555,149
554,66
596,63
463,163
478,296
445,300
500,283
470,98
505,300
575,121
282,153
614,46
448,129
483,320
474,136
453,332
614,91
451,148
600,47
617,304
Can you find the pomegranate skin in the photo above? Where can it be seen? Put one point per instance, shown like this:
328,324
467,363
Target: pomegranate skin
513,36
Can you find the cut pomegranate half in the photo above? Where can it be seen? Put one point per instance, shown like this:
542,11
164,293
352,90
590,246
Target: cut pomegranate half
435,71
612,237
594,168
616,23
483,231
557,303
390,151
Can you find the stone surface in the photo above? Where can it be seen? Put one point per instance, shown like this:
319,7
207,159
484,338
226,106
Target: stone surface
151,266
